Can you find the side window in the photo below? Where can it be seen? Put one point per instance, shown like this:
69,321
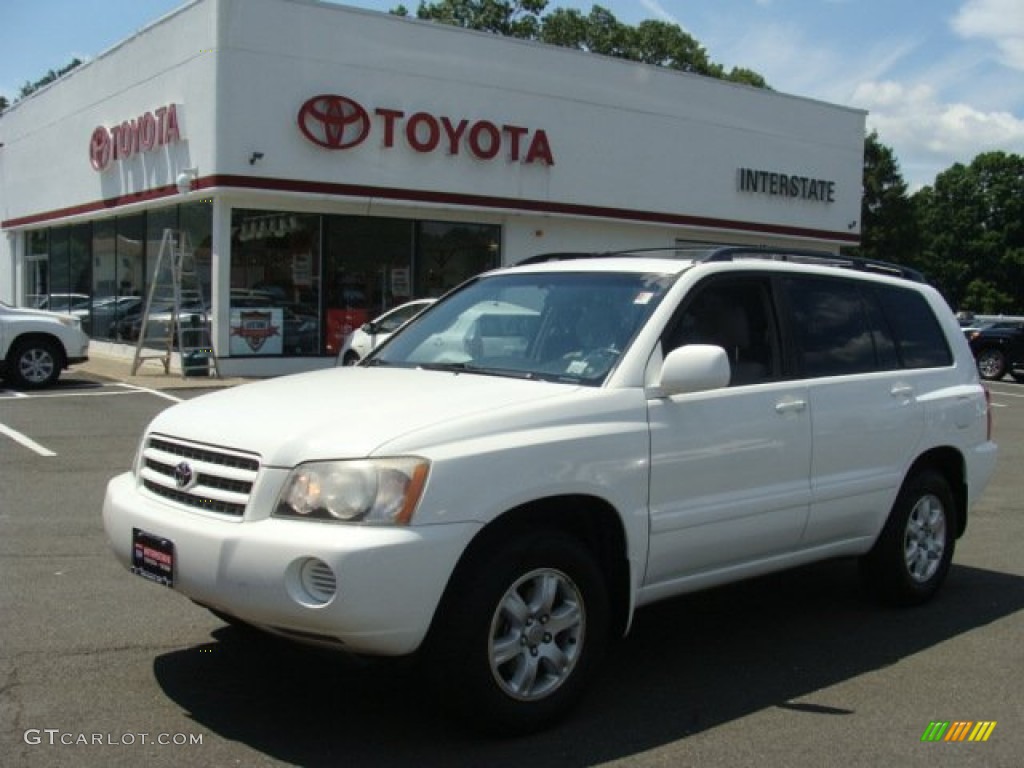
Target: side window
919,337
830,323
734,313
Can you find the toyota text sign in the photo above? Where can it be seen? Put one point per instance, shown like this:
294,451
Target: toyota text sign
338,122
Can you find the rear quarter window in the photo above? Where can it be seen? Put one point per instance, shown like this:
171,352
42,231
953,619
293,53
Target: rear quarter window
920,342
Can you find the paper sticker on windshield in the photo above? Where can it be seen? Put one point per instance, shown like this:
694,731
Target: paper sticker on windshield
577,367
643,298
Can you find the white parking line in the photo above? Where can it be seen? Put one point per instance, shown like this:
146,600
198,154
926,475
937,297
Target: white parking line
1003,393
156,392
28,442
131,390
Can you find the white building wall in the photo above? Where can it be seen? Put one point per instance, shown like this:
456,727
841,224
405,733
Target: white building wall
643,157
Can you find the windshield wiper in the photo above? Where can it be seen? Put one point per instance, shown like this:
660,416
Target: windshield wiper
478,370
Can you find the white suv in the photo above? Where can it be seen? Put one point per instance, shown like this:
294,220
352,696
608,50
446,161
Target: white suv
35,346
650,424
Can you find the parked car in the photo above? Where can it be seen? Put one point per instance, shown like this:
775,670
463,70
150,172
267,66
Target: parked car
554,445
60,302
998,348
100,317
367,337
36,345
161,322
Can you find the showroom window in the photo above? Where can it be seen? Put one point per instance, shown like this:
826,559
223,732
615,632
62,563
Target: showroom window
102,270
301,283
275,283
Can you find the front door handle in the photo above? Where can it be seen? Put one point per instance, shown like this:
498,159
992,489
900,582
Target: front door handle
790,405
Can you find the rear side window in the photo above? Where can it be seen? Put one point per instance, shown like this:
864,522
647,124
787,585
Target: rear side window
848,326
920,341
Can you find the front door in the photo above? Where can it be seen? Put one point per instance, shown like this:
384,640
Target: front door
730,467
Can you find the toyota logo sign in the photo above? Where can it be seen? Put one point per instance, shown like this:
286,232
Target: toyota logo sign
338,122
334,122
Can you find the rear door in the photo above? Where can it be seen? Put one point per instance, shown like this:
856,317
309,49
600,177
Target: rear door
865,385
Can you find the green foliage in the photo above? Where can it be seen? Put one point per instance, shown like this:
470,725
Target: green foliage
888,226
30,88
972,233
650,42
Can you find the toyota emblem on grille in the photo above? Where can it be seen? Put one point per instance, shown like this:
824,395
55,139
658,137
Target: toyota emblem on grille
183,475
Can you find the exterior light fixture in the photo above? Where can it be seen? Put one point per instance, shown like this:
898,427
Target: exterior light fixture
186,179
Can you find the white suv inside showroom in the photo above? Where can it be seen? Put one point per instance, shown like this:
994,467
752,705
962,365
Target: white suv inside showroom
499,496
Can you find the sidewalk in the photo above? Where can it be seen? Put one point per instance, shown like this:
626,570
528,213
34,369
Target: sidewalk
150,374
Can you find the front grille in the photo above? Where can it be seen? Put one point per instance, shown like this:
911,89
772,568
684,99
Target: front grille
199,476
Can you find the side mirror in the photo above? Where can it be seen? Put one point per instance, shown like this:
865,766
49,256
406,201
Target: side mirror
368,328
694,368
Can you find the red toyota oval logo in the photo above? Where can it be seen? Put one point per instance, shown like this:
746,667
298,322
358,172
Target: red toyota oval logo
334,122
100,148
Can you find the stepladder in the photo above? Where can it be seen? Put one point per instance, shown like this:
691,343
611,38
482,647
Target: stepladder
176,321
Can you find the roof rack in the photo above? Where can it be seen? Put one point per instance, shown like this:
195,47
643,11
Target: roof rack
802,256
733,253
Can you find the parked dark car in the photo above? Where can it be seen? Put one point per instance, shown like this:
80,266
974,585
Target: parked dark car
999,349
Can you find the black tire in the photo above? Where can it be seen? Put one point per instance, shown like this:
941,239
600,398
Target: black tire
912,556
34,363
493,652
351,358
991,364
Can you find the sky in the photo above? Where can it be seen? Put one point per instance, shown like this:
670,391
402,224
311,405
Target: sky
941,80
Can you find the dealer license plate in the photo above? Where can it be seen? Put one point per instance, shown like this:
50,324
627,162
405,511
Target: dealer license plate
153,557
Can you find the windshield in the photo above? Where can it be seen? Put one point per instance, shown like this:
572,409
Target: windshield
570,327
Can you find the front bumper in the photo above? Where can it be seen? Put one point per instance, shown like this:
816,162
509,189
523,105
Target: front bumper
389,580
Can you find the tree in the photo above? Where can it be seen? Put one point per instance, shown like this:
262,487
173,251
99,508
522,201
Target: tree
972,231
651,42
888,224
30,88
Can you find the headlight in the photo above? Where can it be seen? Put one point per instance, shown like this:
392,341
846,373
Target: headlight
70,321
381,491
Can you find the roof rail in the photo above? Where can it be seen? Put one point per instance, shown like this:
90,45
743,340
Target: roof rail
734,252
806,256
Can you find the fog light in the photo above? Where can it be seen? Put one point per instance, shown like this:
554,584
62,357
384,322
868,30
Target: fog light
317,581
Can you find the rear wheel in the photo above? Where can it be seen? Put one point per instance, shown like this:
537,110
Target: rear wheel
911,558
520,633
34,363
991,364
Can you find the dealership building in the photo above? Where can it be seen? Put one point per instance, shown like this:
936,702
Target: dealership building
323,163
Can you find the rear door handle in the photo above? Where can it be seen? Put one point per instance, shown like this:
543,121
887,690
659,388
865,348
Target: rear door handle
902,390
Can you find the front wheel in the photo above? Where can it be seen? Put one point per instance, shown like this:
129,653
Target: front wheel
520,633
911,558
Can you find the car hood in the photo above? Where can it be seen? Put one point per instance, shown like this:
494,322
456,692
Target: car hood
28,312
346,412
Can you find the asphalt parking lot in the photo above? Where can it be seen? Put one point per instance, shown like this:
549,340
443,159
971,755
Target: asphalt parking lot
100,668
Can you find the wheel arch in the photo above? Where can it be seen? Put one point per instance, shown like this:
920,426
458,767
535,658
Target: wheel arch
35,336
949,462
589,519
